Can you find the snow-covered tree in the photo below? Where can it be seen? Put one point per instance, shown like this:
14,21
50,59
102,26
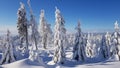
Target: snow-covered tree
59,38
89,44
8,53
45,30
93,44
22,26
116,27
115,46
79,47
106,42
34,55
71,39
34,28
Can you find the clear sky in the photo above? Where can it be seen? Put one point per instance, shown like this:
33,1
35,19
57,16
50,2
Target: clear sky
94,15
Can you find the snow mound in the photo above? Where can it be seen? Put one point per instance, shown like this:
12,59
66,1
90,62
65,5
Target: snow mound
51,63
24,63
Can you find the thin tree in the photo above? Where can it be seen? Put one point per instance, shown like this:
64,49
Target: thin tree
33,24
45,30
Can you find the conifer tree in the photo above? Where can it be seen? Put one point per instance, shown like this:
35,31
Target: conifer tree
34,28
45,30
8,54
106,42
59,38
115,48
22,26
79,47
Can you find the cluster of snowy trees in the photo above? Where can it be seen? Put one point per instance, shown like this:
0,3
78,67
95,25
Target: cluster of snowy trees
26,43
105,46
31,36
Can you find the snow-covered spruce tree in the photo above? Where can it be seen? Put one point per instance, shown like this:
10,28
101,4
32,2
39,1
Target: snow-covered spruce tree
8,54
34,28
45,30
106,42
79,47
22,26
59,38
89,44
115,46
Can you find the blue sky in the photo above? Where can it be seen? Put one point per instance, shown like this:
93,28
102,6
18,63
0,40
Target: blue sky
94,15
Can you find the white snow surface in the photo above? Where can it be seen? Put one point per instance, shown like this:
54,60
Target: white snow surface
24,63
97,65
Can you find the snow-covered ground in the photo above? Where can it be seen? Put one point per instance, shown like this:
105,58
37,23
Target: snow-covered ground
95,65
69,63
26,63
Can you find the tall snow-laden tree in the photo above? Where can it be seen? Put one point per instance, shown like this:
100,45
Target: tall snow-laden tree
34,28
115,48
79,47
42,29
8,54
22,26
59,38
45,30
106,42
